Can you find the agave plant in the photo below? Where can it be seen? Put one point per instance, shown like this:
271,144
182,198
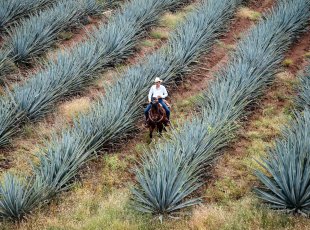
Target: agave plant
11,10
32,37
196,144
165,197
73,70
62,161
6,65
286,169
9,126
20,197
303,99
286,174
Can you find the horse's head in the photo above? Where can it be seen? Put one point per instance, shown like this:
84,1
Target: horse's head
155,103
156,113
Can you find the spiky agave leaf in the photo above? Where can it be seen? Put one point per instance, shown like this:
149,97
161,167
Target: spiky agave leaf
303,99
162,183
286,174
250,70
16,9
19,198
10,117
6,65
61,161
35,35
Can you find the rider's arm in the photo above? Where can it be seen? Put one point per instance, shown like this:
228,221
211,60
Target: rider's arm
150,94
165,93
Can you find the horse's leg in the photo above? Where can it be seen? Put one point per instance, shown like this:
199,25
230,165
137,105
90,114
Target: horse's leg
151,132
160,128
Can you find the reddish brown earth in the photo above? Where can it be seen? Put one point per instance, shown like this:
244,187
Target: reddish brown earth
296,54
211,62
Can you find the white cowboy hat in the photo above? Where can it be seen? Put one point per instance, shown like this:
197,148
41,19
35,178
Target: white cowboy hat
157,80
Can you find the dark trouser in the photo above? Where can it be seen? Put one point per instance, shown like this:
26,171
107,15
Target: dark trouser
161,101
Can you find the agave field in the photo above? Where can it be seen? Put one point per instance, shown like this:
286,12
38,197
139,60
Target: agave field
109,119
74,70
168,177
172,171
33,36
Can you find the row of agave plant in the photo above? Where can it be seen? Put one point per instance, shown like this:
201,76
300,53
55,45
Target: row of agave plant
12,10
33,36
286,169
303,99
115,114
73,70
170,173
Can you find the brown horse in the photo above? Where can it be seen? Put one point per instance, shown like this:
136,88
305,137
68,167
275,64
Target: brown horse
157,118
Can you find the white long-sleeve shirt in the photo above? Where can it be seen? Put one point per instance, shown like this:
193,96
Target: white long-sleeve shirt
161,91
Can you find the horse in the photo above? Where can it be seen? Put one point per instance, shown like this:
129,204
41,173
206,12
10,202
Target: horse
157,118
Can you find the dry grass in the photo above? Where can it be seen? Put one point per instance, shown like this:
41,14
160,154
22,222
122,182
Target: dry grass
159,33
101,202
287,62
246,213
72,108
172,20
228,47
148,43
25,146
66,35
247,13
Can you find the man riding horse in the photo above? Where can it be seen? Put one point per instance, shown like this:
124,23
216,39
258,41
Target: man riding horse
157,92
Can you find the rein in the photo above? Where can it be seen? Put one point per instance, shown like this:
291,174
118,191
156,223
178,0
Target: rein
160,120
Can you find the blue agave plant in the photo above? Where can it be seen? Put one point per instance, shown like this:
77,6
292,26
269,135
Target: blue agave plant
12,10
31,37
286,174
